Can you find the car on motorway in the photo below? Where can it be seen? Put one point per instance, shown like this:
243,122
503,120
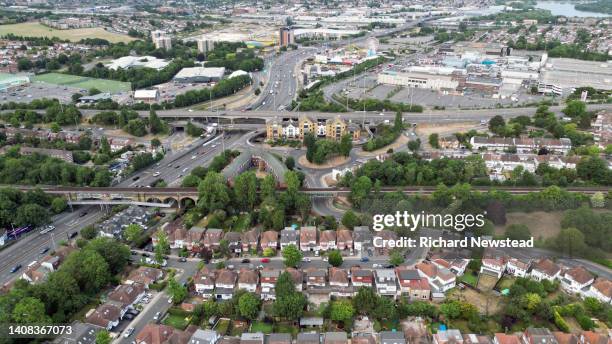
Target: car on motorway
193,157
376,266
185,169
177,166
44,250
128,332
135,178
156,174
83,213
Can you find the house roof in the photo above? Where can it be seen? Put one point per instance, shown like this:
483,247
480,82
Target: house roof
546,266
337,275
279,338
344,235
503,338
248,276
590,337
204,276
104,314
288,235
269,273
308,234
225,277
328,236
580,274
604,286
127,293
408,274
540,336
335,338
145,275
251,236
309,338
232,237
565,338
362,234
154,334
296,275
268,237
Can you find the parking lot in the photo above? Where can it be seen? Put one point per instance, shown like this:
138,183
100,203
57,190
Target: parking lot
27,93
132,314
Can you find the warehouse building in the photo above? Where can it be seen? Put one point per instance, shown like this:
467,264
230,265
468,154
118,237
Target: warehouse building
199,74
561,76
418,80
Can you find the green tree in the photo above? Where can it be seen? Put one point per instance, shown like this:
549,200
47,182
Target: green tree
335,258
103,337
366,300
268,186
89,269
398,123
451,309
360,190
290,162
350,219
58,204
30,310
292,256
132,232
396,258
245,187
213,193
574,108
518,232
31,214
434,141
289,303
346,144
114,253
497,124
156,125
177,292
163,246
342,310
89,232
414,145
570,241
155,142
105,147
249,305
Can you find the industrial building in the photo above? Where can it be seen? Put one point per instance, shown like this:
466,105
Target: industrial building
127,62
419,80
199,74
561,76
146,96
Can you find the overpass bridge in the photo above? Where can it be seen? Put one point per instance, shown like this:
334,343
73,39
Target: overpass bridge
181,196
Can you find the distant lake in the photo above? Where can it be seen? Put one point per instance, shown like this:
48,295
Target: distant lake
567,9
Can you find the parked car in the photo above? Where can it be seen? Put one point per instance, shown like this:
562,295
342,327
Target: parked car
157,316
128,332
246,261
365,259
128,316
182,259
73,234
16,268
265,260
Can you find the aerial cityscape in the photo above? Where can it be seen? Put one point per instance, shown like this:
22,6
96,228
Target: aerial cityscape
306,172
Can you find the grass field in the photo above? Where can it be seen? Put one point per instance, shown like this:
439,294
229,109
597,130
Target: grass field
35,29
103,85
176,321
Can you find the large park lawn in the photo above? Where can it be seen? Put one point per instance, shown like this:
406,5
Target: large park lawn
35,29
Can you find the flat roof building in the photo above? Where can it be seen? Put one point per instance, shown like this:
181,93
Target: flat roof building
199,74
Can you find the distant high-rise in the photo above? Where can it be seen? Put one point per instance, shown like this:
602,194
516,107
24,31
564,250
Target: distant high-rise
205,45
286,36
161,40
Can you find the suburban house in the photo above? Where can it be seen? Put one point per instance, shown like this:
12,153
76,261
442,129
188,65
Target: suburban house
385,281
144,275
344,239
252,338
455,265
601,290
340,283
566,338
518,267
298,278
279,338
361,277
248,280
128,295
177,237
590,337
161,334
440,280
577,280
362,238
308,338
269,239
268,278
545,269
289,236
234,241
204,337
335,338
204,282
493,265
224,284
538,336
106,316
327,240
250,240
502,338
309,239
195,236
384,236
212,238
392,337
450,336
316,278
412,284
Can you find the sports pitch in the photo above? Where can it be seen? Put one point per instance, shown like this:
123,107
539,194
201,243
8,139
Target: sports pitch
35,29
85,83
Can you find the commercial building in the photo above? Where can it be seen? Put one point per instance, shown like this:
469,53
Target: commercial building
199,74
561,76
127,62
418,80
286,36
146,96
